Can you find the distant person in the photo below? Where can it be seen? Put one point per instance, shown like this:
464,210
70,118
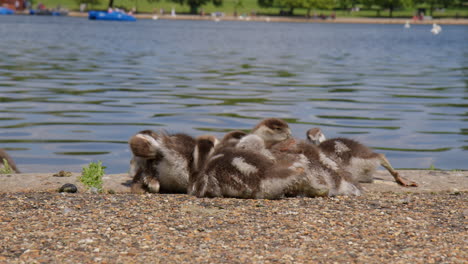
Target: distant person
333,15
173,12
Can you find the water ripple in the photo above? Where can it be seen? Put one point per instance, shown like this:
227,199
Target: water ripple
68,97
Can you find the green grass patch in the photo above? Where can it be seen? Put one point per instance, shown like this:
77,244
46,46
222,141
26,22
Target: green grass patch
91,176
6,169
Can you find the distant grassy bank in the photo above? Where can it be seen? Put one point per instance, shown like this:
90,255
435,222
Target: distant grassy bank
248,7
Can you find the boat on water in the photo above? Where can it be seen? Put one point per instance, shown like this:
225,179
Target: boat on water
48,12
114,16
6,11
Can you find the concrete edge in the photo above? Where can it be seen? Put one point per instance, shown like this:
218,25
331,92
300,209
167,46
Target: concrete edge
428,180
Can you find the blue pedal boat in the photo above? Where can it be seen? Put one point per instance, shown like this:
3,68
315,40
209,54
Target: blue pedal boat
6,11
114,16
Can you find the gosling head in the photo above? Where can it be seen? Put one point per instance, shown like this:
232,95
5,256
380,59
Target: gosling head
232,138
204,148
315,136
144,144
272,130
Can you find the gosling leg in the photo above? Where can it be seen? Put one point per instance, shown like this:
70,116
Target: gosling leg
400,180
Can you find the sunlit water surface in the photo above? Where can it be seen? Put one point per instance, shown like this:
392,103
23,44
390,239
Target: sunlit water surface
73,91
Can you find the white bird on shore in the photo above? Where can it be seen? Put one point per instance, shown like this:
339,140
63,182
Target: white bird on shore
436,29
407,24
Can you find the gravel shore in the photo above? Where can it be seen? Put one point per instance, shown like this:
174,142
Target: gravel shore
45,227
388,224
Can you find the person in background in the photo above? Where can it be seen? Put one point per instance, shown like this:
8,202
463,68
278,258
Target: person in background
40,6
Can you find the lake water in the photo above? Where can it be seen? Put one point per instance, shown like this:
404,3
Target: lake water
74,91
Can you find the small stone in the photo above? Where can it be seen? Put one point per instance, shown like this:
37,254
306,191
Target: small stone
465,213
68,188
86,241
406,200
93,190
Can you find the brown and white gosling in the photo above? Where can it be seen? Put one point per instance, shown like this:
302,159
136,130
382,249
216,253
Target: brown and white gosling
11,163
320,169
272,131
231,139
161,162
249,172
358,159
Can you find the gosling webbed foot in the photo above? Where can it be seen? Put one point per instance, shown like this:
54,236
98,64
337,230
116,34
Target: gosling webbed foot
405,182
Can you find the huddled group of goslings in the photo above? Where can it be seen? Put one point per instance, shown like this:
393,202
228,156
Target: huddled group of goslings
267,163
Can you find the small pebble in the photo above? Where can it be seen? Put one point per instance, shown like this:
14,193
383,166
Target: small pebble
406,200
94,190
68,188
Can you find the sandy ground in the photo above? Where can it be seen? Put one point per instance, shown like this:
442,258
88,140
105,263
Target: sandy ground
298,19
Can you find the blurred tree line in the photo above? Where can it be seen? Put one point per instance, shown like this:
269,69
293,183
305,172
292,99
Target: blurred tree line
287,6
349,5
193,4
